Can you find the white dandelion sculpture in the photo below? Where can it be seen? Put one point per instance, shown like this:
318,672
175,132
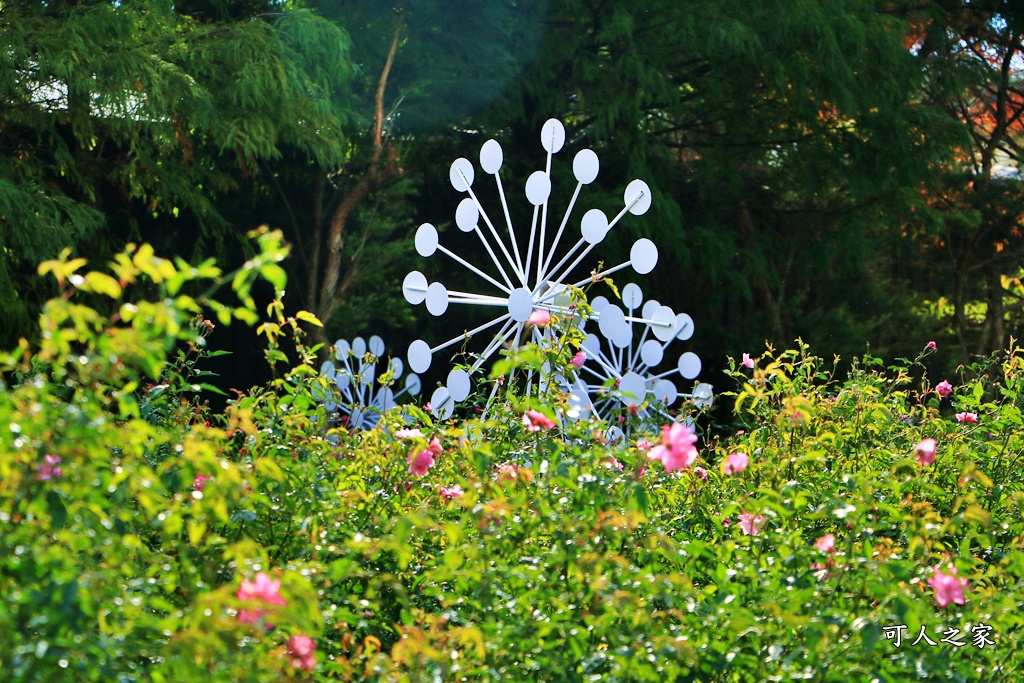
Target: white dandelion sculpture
360,398
526,277
621,374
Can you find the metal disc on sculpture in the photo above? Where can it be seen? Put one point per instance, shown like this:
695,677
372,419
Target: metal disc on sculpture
585,166
426,240
632,296
458,385
467,216
491,157
460,174
441,403
703,395
437,299
689,365
419,356
643,256
414,287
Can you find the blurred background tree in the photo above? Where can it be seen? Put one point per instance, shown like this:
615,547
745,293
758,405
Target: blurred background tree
846,171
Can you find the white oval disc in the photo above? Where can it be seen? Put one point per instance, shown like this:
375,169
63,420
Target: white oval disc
684,326
437,299
585,166
579,401
327,369
552,135
341,380
397,367
413,384
520,304
386,399
419,356
491,157
625,337
458,384
359,347
467,216
639,191
614,435
612,321
632,296
643,256
538,188
466,167
376,346
652,353
689,365
599,303
594,226
441,403
341,347
650,307
703,395
665,328
426,240
633,389
414,287
665,392
592,345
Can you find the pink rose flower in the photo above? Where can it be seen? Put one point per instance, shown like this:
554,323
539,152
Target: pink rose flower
748,361
263,589
420,461
534,421
579,359
926,451
408,434
751,524
949,588
700,472
736,462
943,388
676,450
302,651
539,317
450,493
932,345
48,469
199,482
508,472
826,544
971,418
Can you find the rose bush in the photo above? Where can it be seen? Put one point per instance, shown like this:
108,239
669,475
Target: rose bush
145,539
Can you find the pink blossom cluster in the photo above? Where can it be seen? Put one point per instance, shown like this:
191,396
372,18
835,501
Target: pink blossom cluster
735,462
49,469
419,461
949,588
450,493
302,651
534,421
676,451
264,591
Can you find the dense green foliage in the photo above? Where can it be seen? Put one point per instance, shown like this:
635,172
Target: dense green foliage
838,170
145,539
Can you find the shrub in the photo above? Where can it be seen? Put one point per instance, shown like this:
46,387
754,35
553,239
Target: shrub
145,539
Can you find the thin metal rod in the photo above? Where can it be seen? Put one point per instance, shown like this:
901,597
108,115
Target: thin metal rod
511,232
494,232
561,228
467,335
443,250
533,233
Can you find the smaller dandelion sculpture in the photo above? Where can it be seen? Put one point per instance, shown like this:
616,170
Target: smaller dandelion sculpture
361,399
621,374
